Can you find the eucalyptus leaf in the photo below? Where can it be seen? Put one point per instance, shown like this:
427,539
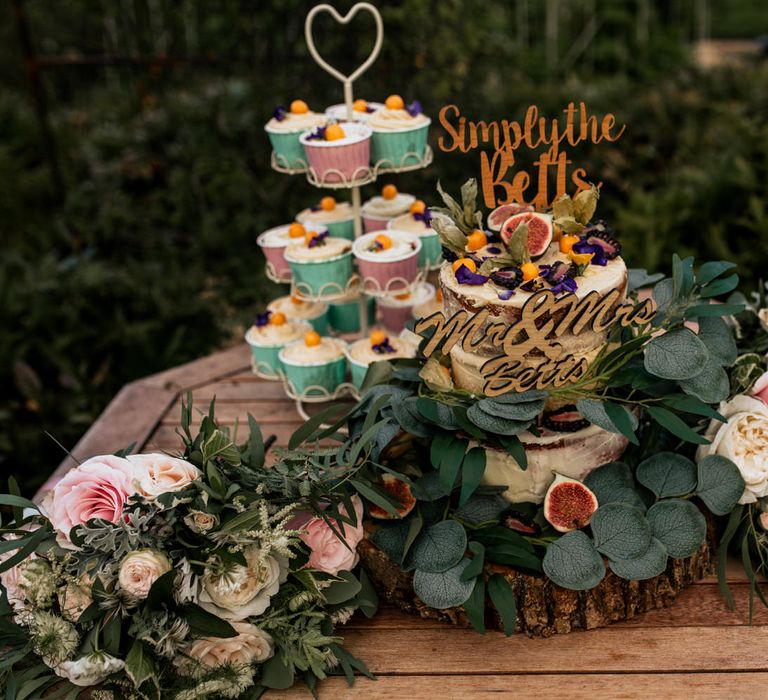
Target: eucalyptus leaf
679,525
667,474
572,561
513,397
648,565
481,508
608,479
472,470
618,421
512,411
639,278
390,539
407,415
438,548
494,424
475,566
711,270
343,590
620,531
711,385
720,484
677,354
676,425
474,606
444,589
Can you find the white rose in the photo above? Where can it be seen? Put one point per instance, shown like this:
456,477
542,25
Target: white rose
200,522
140,569
743,440
243,591
157,474
89,670
251,645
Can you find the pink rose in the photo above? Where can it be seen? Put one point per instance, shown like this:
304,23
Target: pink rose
329,553
760,388
156,474
98,488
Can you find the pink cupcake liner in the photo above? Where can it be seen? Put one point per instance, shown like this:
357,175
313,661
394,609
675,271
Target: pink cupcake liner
351,160
277,258
394,317
375,223
384,272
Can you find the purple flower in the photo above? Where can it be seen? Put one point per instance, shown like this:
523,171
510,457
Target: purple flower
534,285
262,319
493,250
506,294
424,216
598,257
317,134
369,109
465,276
280,113
383,347
565,286
318,239
414,108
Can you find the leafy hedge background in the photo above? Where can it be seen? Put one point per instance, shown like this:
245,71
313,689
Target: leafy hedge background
146,257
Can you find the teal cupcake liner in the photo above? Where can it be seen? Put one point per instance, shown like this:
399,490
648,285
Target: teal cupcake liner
431,253
344,317
328,376
288,151
266,360
319,323
342,229
323,277
392,147
358,372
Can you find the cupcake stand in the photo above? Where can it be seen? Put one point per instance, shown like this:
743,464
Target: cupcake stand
335,179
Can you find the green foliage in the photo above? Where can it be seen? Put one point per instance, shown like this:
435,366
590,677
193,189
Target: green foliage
620,530
667,474
445,589
720,484
678,525
573,562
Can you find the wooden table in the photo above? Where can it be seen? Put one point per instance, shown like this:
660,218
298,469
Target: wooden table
697,648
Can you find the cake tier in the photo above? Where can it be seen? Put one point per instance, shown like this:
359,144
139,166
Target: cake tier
570,454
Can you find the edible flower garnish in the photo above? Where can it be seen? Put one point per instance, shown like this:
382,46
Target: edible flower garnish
317,134
414,108
423,216
315,239
380,343
262,319
280,113
465,270
598,253
582,259
506,294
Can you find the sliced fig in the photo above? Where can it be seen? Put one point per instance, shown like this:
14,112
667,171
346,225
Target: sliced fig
500,214
560,271
400,491
568,505
564,420
508,277
519,522
611,247
539,231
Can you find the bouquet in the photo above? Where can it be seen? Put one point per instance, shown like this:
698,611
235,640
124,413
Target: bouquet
203,575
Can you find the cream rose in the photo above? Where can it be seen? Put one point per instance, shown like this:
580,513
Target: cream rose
243,591
201,522
743,440
156,474
251,645
140,569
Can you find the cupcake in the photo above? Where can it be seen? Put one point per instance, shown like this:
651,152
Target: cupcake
270,333
430,306
337,217
364,352
314,366
338,152
274,241
397,309
387,260
344,314
380,210
419,221
297,309
284,130
399,133
321,265
361,111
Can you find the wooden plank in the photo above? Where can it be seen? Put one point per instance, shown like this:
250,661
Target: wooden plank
269,411
582,686
130,418
233,361
165,437
605,650
240,388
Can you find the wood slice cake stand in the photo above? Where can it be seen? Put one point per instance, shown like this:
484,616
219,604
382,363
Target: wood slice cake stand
543,608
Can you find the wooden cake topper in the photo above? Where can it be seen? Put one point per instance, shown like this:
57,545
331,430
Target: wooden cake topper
504,138
544,319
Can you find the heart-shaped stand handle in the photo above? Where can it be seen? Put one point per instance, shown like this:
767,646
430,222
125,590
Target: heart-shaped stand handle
347,80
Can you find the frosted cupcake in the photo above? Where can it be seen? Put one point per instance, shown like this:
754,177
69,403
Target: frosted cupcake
378,211
274,241
344,314
396,310
285,128
297,309
429,307
399,133
338,152
337,217
269,334
361,111
364,352
320,264
419,221
314,365
387,260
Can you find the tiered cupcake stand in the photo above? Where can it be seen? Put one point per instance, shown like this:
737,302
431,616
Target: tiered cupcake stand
335,180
